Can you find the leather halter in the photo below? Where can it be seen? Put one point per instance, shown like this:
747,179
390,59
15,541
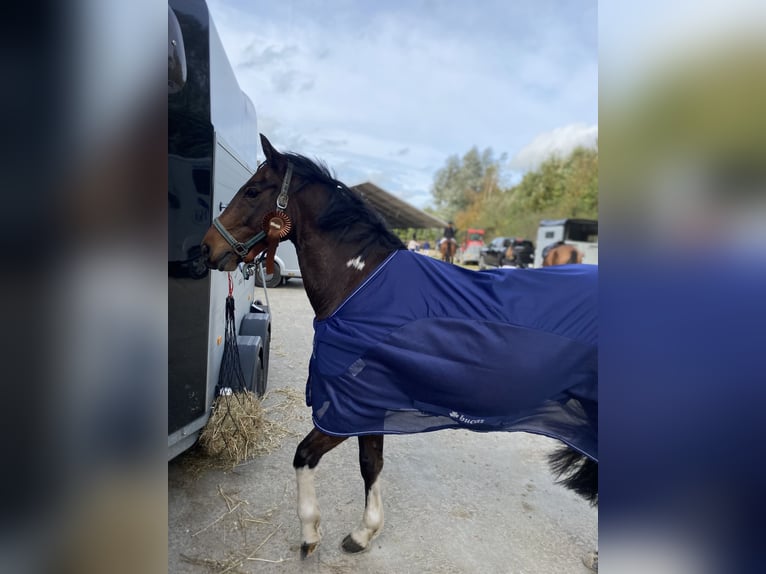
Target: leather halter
276,226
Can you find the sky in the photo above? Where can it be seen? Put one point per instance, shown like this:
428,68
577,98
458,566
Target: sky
637,39
387,91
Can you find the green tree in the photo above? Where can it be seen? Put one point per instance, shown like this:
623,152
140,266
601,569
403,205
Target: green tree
447,191
560,187
464,181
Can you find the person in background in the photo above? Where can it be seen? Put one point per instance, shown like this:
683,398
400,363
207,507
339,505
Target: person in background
449,234
413,245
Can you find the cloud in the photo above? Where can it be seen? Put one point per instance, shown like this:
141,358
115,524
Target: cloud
334,143
283,81
254,58
405,86
558,142
290,82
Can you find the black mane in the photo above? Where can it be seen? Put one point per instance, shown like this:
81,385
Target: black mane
347,213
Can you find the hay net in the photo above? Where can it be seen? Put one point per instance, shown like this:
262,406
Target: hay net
231,380
236,412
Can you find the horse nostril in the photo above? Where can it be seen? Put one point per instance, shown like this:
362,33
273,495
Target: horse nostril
205,250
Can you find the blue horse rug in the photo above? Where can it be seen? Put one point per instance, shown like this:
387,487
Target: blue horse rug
423,345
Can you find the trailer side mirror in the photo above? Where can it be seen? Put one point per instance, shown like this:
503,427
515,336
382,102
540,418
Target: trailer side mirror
176,55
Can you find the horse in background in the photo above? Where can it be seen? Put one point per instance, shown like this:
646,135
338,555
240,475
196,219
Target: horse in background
448,248
561,254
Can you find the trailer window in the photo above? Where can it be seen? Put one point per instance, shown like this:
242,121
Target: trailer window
585,232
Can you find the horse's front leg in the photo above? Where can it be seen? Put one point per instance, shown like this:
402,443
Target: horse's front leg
307,456
370,463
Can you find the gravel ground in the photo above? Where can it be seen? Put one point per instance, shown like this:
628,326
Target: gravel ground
455,501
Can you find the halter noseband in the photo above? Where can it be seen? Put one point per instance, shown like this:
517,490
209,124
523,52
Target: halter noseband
239,248
276,223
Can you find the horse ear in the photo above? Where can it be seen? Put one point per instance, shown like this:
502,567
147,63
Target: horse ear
273,157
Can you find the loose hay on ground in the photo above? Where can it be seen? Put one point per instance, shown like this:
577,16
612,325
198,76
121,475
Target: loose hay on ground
241,427
234,562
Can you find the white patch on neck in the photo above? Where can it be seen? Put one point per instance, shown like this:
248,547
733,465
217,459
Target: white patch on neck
356,263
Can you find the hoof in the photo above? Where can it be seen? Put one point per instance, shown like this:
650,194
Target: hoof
307,549
352,546
591,561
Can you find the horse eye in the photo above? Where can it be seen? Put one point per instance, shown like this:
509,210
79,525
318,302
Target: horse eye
251,191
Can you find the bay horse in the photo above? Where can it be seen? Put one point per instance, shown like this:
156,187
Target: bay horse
347,254
561,254
448,248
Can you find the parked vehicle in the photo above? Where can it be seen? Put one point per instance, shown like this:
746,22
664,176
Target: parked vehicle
469,250
468,256
473,237
521,253
505,251
581,233
492,255
285,266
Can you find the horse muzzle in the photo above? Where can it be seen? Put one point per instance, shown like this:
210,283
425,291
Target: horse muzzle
218,255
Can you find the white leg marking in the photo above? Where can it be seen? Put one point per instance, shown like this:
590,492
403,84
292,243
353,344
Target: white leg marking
356,263
372,520
308,507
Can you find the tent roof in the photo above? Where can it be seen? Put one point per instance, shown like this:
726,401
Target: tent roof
398,213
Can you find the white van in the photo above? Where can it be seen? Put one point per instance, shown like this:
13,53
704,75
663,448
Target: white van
285,266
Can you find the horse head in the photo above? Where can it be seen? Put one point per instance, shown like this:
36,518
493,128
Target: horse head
255,217
338,238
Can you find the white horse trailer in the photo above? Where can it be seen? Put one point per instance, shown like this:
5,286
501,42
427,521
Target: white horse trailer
581,233
212,151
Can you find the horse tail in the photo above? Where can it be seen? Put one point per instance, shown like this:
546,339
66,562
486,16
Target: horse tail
573,255
576,472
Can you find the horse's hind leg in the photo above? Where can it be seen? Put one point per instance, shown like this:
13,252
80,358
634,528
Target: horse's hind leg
307,456
370,463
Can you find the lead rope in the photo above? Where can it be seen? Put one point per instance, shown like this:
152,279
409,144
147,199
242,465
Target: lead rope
260,271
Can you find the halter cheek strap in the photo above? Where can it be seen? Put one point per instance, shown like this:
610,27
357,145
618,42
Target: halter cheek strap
282,197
